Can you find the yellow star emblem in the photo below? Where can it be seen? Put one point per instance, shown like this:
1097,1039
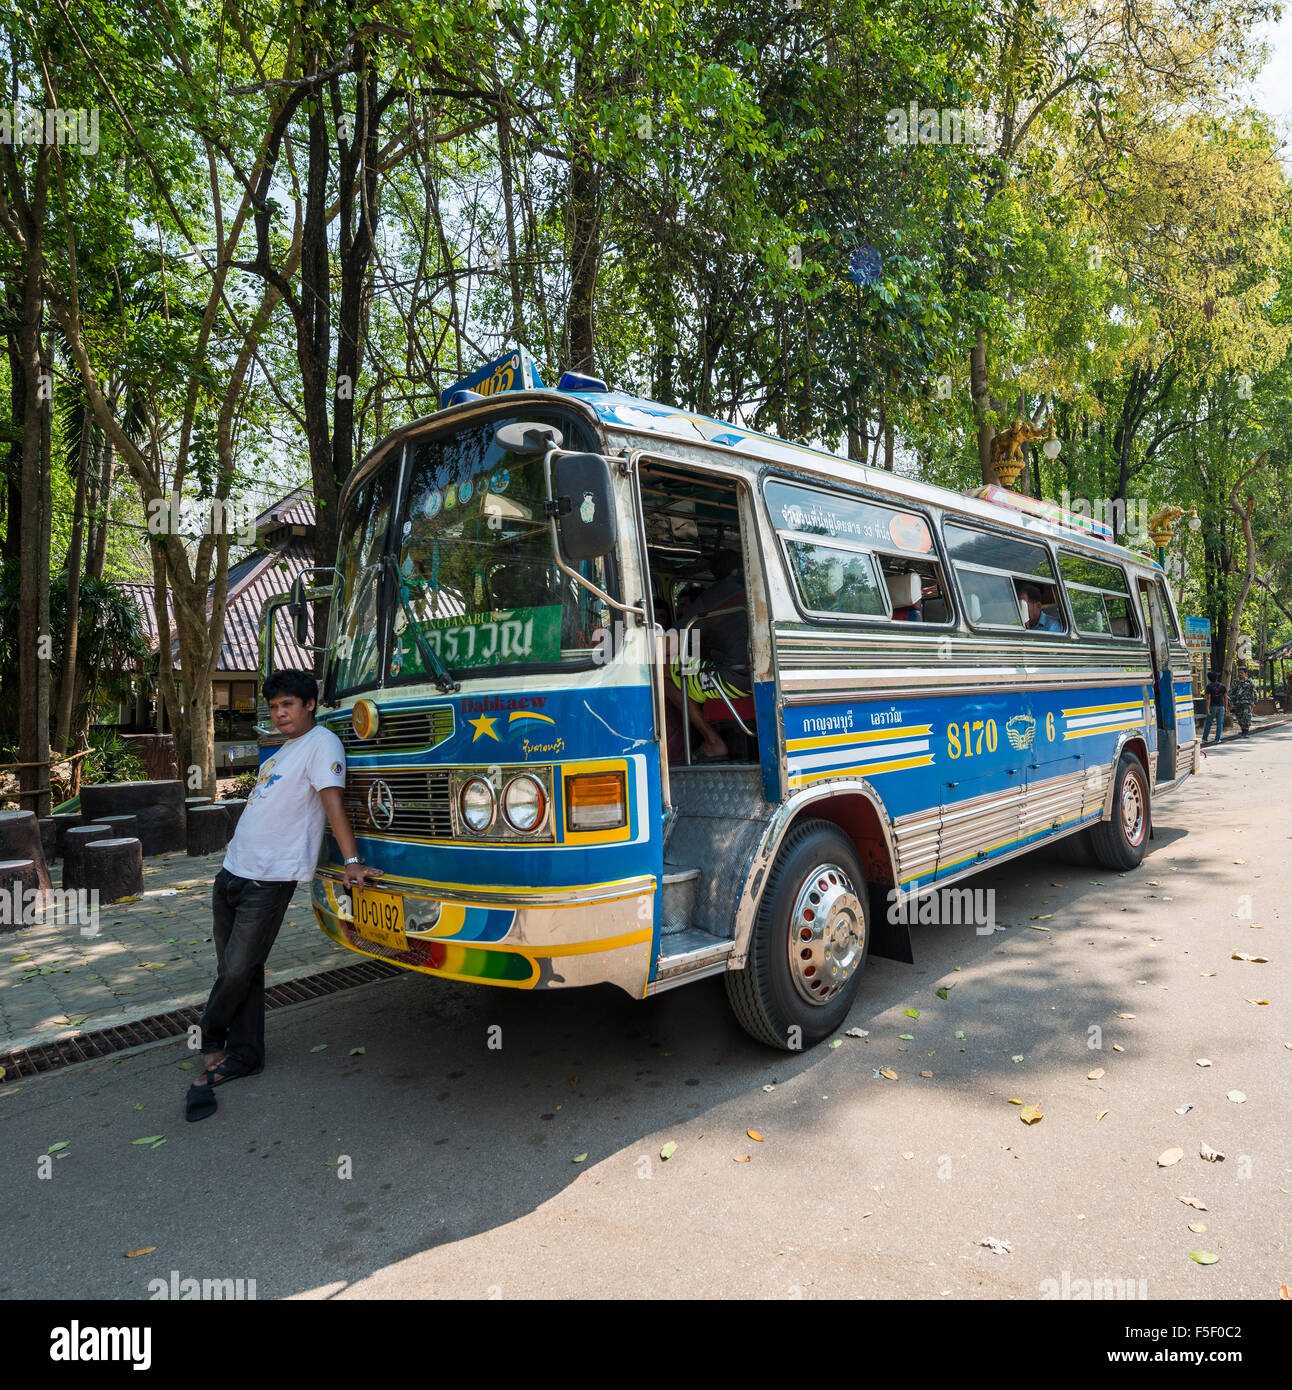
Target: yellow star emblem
483,725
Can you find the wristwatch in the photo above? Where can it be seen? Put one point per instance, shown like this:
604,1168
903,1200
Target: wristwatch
353,860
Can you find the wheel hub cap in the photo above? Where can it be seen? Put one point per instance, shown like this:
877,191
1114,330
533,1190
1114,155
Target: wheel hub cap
1133,809
827,934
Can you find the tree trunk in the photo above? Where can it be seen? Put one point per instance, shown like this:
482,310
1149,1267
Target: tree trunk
1244,515
33,621
17,414
75,558
585,243
981,396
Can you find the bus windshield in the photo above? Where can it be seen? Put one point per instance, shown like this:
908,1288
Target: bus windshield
476,580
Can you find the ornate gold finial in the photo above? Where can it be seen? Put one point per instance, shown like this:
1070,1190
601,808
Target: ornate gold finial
1007,460
1159,525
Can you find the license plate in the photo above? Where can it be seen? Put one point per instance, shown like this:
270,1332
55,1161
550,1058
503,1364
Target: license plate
379,917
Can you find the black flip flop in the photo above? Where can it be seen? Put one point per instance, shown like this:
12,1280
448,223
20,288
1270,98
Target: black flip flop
228,1070
199,1103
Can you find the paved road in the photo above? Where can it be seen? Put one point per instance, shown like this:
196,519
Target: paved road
147,956
461,1158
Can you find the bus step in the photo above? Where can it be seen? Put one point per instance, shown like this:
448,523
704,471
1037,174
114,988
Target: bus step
680,888
690,955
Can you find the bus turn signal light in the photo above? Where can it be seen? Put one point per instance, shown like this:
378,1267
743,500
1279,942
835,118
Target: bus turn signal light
595,801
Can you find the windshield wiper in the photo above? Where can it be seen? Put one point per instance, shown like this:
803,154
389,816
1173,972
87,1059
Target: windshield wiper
430,660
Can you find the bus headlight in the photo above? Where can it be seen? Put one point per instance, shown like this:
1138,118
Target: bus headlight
477,804
524,803
595,801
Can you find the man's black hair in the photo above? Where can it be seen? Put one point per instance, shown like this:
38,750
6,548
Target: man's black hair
1030,592
288,682
1211,675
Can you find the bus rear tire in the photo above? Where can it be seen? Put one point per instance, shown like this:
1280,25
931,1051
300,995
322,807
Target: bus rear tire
809,942
1120,842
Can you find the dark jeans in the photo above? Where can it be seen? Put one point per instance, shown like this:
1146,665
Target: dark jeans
248,913
1219,716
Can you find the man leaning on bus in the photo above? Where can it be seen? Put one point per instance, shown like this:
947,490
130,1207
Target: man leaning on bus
275,846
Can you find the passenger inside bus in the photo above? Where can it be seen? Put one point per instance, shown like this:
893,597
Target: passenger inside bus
1039,608
697,578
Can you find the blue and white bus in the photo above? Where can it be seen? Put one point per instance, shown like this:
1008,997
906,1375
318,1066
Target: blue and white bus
896,686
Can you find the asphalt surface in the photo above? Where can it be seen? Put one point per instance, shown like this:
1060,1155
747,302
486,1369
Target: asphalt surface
461,1157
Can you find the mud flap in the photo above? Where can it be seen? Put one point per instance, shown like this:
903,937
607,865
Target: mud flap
891,940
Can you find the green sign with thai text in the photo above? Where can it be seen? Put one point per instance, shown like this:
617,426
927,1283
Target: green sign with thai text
498,638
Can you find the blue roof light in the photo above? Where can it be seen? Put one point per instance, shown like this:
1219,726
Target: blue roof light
459,396
580,381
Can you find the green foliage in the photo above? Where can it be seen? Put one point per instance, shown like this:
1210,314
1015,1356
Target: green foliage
111,760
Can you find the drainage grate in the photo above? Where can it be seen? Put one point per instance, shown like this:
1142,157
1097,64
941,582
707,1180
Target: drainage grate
66,1052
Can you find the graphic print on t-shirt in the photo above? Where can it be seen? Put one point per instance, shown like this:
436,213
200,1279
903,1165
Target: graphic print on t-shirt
266,780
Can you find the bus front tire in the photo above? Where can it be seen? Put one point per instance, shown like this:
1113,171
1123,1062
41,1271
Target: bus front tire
809,942
1120,842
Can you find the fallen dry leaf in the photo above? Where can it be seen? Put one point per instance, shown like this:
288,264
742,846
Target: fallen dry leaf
888,1073
1117,1047
1125,1015
1169,1157
1255,960
997,1247
1236,1096
754,1134
1095,1075
1211,1155
740,1158
1194,1203
1197,1227
1203,1062
1258,1001
1031,1114
143,1250
1205,1257
927,1075
1099,1114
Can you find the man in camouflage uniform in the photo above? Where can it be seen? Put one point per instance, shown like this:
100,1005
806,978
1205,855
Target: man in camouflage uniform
1241,699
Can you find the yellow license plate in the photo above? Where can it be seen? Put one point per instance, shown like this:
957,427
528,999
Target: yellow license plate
379,917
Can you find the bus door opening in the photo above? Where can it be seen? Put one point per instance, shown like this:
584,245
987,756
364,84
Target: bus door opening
697,574
1163,691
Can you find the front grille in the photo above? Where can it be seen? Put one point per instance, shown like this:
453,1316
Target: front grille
422,804
398,731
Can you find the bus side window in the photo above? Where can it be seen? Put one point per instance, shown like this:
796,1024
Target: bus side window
1099,595
915,590
995,572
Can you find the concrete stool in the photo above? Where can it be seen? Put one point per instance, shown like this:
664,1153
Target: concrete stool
157,806
63,822
208,829
115,867
48,838
20,839
126,827
17,878
74,852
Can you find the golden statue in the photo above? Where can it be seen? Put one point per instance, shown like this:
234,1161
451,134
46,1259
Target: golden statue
1159,525
1007,448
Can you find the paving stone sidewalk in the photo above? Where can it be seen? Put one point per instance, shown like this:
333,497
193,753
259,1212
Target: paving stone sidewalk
149,957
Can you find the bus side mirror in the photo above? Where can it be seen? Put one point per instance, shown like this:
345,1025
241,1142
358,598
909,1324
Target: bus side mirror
584,506
296,606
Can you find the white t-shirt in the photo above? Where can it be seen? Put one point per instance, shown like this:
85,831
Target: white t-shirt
280,832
